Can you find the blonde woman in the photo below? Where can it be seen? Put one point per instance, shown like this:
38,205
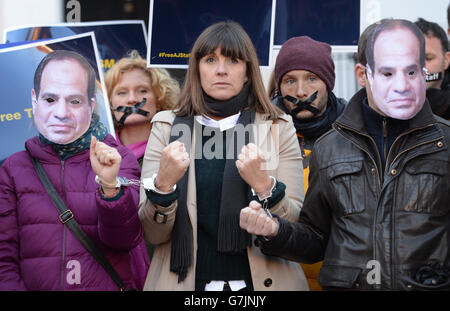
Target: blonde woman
136,93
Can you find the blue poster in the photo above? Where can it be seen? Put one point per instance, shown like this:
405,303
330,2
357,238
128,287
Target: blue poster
11,44
114,39
18,66
175,25
331,21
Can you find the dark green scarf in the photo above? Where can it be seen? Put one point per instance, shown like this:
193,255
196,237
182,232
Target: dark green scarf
96,128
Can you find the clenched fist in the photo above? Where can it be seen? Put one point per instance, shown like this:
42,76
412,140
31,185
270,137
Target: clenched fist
249,164
105,161
254,220
172,166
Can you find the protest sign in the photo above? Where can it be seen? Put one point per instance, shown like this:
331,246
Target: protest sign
334,22
175,25
18,65
114,38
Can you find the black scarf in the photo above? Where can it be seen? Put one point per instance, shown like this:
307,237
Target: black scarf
315,127
231,238
229,107
374,126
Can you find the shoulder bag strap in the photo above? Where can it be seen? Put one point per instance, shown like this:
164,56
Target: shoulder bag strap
66,217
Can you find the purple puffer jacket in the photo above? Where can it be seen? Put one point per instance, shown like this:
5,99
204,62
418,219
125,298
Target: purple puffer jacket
38,252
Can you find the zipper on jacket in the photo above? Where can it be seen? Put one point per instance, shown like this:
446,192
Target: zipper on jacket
393,244
63,257
385,139
379,170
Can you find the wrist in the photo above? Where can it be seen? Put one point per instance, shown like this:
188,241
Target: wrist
266,191
107,184
265,185
163,187
150,185
109,192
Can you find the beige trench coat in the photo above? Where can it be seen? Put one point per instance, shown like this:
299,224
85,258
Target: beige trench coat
268,273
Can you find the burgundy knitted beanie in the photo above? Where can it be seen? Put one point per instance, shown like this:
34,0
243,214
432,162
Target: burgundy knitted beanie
304,53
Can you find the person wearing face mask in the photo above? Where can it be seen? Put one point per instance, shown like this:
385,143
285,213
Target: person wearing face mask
376,210
437,61
361,60
136,94
223,145
39,248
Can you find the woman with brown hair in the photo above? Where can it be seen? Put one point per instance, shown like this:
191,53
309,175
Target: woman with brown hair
224,145
136,93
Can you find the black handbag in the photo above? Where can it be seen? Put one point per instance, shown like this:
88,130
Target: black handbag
66,217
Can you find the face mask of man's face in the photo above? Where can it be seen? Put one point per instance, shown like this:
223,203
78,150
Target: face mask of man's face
397,81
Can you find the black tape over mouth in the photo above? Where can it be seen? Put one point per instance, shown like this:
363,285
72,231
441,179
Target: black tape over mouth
303,105
129,110
430,77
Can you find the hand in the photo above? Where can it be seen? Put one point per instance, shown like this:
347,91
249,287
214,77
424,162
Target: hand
255,220
249,164
173,164
105,161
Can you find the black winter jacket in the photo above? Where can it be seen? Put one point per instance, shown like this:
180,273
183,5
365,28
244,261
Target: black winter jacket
390,233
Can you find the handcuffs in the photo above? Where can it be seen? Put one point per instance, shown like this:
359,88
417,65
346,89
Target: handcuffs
147,183
264,196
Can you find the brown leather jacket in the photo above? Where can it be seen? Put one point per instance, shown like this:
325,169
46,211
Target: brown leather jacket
355,211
